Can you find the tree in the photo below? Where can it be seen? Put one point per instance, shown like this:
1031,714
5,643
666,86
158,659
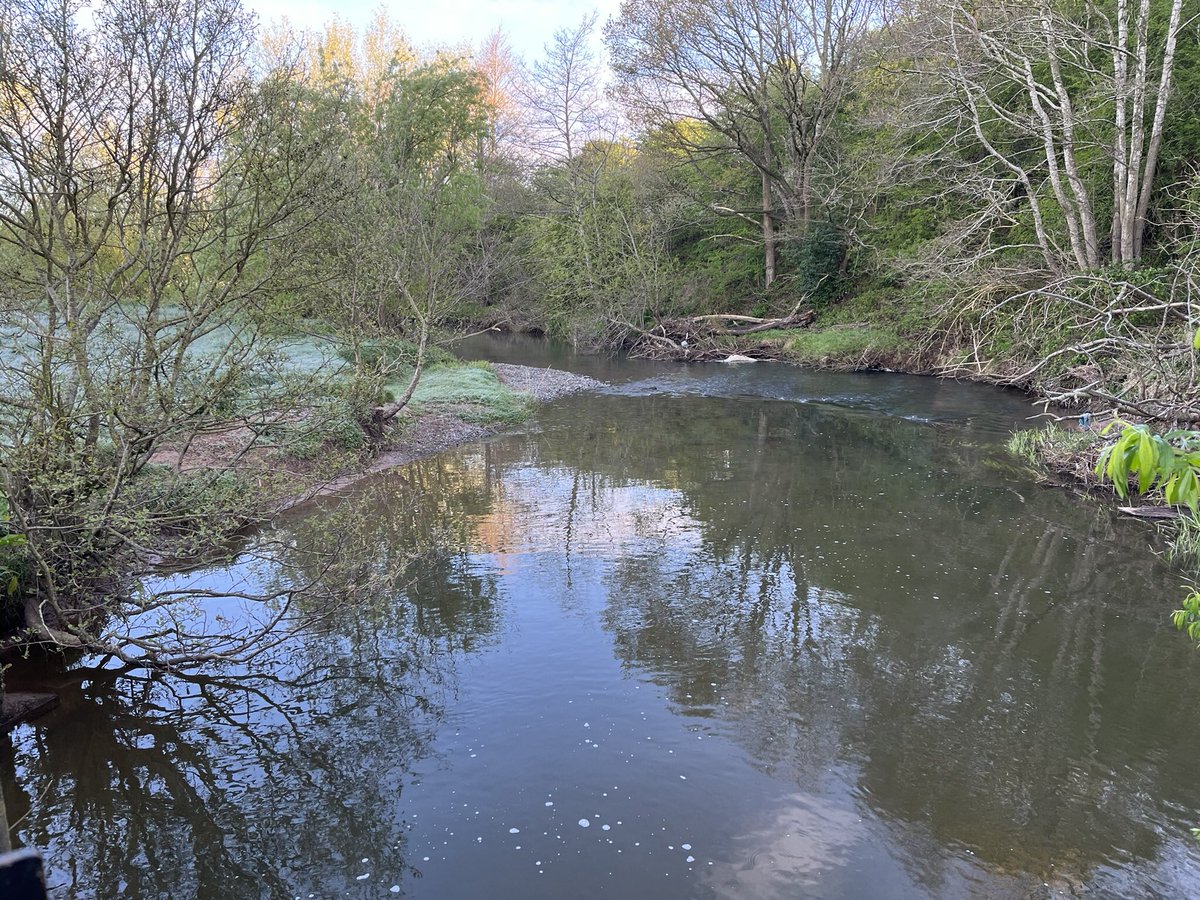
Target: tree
147,188
503,86
597,252
1044,98
564,95
400,213
769,77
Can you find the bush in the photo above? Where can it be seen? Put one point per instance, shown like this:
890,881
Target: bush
815,263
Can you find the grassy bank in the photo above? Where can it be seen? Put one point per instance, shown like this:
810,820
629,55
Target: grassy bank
324,438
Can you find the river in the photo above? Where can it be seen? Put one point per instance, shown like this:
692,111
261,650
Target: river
714,632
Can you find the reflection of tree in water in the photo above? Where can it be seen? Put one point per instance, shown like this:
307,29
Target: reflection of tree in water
983,658
241,784
834,590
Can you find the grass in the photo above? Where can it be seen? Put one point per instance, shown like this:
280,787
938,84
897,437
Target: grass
849,346
1066,452
472,391
1041,445
1183,543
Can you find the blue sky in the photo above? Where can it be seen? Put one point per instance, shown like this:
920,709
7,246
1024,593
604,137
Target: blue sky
436,23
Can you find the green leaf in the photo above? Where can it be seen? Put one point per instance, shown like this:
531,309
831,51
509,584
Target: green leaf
1147,460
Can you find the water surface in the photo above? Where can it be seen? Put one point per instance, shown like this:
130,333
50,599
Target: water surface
715,632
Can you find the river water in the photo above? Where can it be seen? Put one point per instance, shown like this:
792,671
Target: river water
716,631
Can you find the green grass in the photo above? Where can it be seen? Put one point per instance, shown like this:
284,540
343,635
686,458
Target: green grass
474,392
1183,543
1036,445
852,345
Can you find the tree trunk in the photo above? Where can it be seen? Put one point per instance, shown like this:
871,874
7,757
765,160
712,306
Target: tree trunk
768,229
382,415
1156,128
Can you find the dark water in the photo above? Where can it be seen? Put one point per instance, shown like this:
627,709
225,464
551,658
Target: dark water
717,632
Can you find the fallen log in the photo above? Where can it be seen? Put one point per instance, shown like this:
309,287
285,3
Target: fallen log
1153,512
729,324
697,338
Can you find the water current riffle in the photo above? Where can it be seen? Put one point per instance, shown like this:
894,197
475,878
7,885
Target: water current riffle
714,632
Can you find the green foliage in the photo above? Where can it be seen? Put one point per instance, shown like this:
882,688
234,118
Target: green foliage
331,422
1187,617
722,274
598,252
385,353
12,563
815,264
1169,462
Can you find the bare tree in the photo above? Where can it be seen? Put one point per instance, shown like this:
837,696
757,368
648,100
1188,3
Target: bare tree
769,77
564,94
1045,92
504,84
147,188
1124,342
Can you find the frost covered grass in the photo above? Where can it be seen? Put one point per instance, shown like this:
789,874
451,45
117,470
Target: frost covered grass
472,391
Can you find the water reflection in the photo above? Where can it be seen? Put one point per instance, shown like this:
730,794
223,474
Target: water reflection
254,783
763,648
966,648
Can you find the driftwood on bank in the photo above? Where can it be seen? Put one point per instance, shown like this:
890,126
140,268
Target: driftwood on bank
1153,512
697,337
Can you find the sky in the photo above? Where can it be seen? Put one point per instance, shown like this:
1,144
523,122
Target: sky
528,24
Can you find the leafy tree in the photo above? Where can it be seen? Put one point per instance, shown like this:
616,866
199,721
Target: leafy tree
770,78
402,209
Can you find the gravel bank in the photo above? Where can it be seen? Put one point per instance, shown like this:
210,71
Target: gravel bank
544,384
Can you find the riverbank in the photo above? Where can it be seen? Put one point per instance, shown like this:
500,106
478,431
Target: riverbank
228,479
453,405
